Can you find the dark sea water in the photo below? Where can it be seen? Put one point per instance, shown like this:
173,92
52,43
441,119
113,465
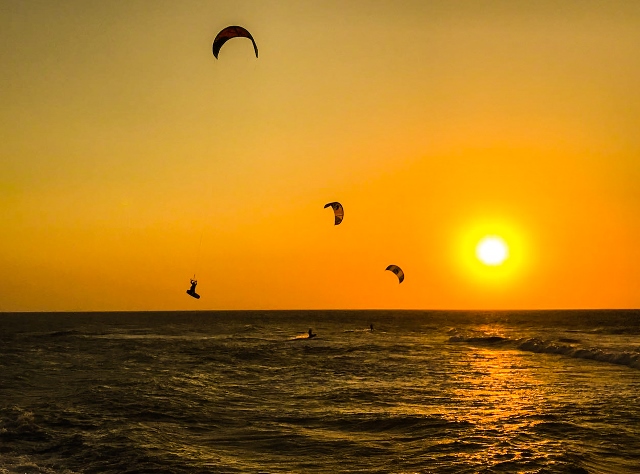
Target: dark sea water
209,392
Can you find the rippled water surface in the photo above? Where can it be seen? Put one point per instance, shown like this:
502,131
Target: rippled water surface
248,392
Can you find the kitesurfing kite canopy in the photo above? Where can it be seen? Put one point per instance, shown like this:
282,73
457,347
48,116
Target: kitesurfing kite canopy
338,211
398,271
228,33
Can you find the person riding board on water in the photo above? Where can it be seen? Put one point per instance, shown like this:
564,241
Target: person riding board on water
192,291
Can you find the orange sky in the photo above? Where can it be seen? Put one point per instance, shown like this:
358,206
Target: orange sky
125,143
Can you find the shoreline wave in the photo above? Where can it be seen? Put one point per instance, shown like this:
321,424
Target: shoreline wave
569,347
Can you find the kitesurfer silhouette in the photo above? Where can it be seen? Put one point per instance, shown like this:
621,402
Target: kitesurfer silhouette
311,334
192,291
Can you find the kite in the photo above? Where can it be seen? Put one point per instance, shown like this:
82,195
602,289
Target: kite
338,211
231,32
398,271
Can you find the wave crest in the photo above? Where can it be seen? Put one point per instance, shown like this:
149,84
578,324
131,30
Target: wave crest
560,347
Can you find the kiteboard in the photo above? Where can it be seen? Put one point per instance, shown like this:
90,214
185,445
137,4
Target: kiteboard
194,294
302,337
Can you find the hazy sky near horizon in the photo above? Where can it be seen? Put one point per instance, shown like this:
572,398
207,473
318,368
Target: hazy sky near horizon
130,158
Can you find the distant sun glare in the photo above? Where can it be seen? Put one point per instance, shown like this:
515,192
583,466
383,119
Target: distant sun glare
492,250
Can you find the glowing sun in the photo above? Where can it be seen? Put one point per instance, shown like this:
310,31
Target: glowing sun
492,250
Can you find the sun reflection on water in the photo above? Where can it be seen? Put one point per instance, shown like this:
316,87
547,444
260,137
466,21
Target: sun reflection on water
498,394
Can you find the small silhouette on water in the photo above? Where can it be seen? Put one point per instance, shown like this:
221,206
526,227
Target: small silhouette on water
192,291
371,327
311,333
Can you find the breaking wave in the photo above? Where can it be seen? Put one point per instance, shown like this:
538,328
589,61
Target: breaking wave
568,347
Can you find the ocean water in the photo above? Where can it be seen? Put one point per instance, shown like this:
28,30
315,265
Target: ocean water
246,391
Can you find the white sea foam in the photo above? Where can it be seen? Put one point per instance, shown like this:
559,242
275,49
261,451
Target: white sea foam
563,346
